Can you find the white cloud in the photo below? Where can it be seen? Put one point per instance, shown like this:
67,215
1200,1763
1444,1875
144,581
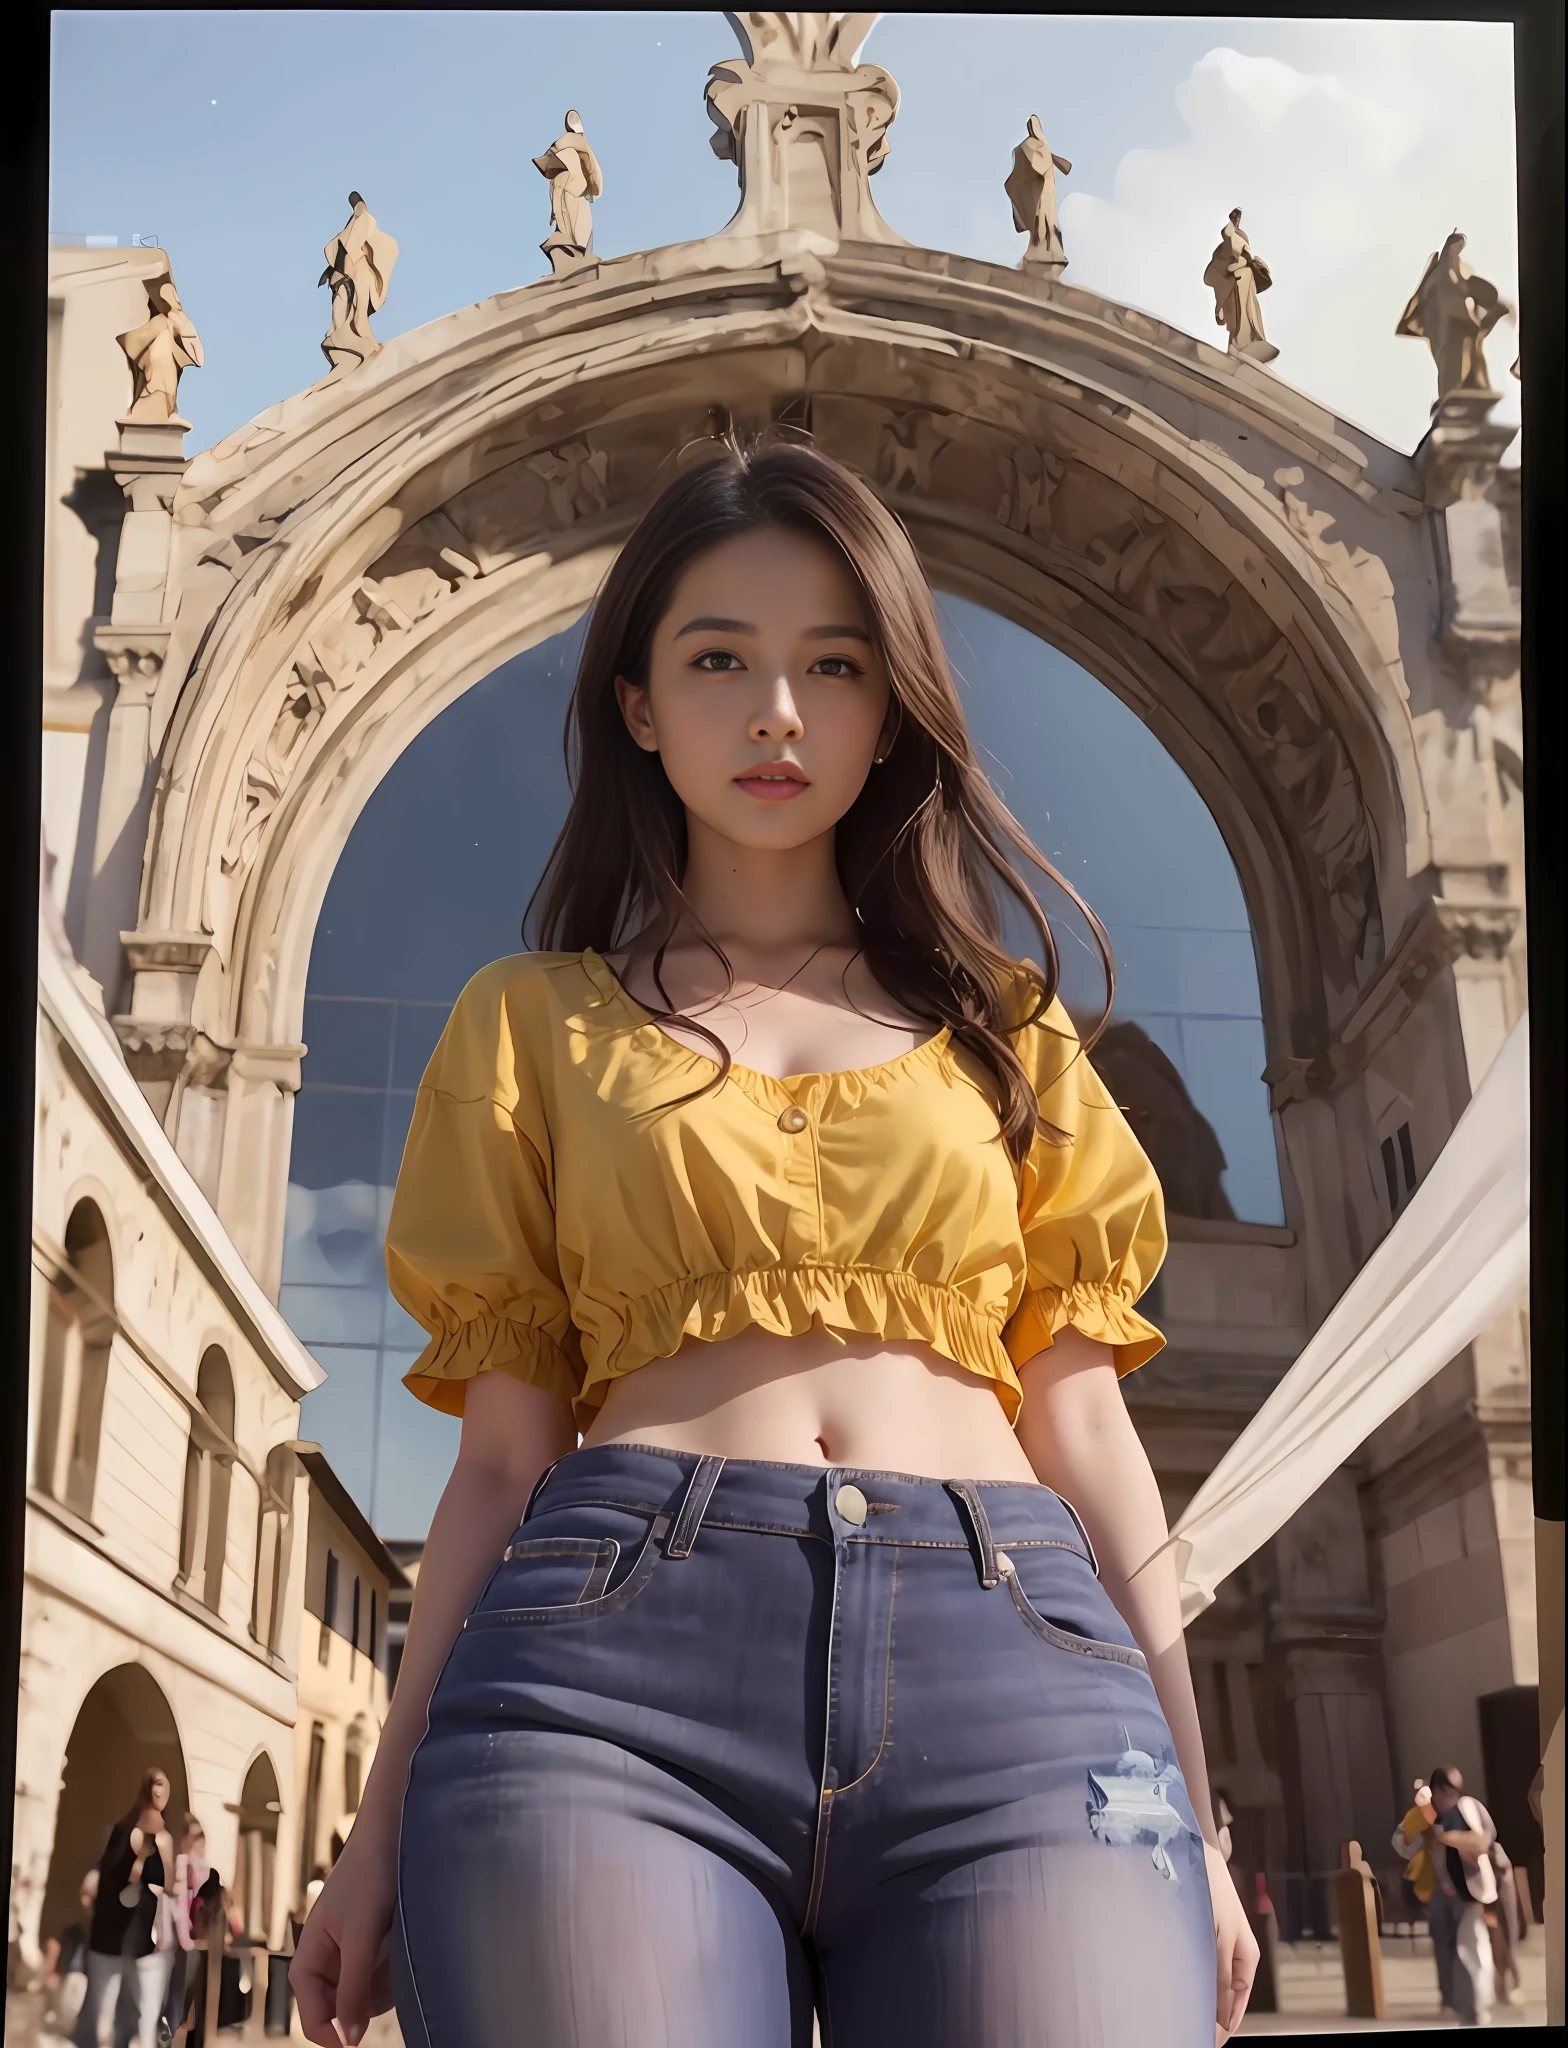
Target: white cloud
1350,166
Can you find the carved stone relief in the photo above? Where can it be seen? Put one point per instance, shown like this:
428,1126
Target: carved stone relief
1104,540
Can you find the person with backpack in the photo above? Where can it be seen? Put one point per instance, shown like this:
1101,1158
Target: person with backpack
1448,1837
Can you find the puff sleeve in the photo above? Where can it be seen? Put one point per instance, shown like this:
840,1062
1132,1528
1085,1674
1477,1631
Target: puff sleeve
471,1245
1090,1209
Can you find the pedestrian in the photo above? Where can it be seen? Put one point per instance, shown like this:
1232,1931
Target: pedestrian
65,1976
176,1931
1448,1837
800,1682
125,1885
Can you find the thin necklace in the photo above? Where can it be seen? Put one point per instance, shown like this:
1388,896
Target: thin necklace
799,971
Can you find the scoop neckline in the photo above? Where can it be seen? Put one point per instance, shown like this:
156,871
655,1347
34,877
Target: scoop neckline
609,982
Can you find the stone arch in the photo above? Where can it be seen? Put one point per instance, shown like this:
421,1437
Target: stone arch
209,1465
78,1334
123,1727
365,552
261,1804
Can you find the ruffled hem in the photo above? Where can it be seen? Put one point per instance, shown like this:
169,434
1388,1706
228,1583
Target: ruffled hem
844,1301
1092,1306
488,1344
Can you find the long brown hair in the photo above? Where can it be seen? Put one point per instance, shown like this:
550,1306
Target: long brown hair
921,852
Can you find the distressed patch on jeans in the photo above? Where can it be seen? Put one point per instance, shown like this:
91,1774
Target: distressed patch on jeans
1129,1807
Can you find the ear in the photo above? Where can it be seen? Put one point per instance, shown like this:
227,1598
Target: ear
638,713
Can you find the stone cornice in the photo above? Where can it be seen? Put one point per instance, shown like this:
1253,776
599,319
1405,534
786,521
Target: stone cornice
1442,931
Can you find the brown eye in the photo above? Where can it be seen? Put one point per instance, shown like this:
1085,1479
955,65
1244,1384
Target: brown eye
836,665
718,661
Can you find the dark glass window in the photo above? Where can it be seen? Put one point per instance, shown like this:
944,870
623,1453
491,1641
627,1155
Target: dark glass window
432,883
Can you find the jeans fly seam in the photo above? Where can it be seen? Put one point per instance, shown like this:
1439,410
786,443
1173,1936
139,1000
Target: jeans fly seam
887,1692
819,1852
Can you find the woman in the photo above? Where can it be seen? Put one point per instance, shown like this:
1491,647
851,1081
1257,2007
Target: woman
798,1683
125,1888
175,1932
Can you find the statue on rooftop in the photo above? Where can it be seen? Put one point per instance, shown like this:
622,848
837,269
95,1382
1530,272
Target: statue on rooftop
1453,311
359,268
575,179
1031,186
805,123
164,345
1236,274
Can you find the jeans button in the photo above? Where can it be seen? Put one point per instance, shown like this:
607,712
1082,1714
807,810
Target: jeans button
851,1504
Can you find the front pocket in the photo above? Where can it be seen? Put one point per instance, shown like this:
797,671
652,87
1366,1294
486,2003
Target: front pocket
1066,1638
545,1579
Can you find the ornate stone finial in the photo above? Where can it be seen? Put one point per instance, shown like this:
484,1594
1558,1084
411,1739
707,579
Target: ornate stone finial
1031,186
1235,276
805,124
575,178
1453,311
165,344
359,268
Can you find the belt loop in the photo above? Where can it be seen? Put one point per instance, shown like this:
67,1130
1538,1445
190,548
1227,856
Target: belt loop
693,1507
539,1487
964,1492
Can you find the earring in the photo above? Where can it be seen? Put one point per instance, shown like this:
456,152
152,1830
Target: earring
877,760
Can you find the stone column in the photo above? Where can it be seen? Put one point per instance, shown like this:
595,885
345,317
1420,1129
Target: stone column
148,465
258,1122
1477,853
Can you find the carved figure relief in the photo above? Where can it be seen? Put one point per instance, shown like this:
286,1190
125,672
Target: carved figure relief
359,269
910,444
574,479
159,351
1029,480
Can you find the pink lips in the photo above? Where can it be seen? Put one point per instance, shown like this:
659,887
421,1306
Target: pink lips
774,782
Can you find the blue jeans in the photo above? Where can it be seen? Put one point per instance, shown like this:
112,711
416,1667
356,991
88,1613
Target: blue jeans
722,1742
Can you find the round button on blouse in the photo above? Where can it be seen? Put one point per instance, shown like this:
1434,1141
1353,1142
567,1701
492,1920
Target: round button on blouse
851,1504
794,1120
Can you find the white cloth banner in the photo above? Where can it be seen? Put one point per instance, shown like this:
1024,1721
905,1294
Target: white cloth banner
1455,1259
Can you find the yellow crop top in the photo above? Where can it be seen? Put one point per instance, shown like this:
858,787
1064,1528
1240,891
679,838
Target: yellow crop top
556,1219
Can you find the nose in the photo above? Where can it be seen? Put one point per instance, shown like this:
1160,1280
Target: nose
776,716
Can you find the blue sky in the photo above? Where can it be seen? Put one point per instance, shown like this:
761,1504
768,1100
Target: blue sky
1352,146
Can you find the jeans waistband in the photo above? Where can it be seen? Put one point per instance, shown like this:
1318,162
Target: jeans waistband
683,1492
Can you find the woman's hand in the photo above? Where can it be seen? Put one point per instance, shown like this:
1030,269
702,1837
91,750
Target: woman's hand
340,1973
1235,1947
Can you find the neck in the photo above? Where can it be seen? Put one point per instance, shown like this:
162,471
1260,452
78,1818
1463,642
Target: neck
765,898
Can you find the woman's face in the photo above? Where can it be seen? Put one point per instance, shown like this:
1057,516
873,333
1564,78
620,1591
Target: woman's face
767,698
158,1791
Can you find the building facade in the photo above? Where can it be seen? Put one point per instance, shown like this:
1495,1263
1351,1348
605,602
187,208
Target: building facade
1321,631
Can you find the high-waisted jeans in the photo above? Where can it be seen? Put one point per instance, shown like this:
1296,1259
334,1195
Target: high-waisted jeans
724,1741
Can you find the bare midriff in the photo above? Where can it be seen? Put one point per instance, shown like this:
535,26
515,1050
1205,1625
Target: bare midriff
815,1400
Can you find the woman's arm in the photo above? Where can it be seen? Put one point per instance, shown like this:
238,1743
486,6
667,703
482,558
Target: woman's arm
1078,1436
510,1434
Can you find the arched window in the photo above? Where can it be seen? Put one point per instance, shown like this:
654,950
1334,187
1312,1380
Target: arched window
274,1532
76,1363
209,1463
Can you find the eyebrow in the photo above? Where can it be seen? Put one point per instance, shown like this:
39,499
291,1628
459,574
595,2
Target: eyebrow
717,625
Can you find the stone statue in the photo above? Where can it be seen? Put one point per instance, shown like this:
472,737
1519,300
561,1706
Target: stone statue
805,123
1453,311
1235,276
1031,186
575,178
811,42
164,345
359,268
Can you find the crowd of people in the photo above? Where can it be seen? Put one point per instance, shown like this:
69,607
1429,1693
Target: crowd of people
1464,1880
133,1968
